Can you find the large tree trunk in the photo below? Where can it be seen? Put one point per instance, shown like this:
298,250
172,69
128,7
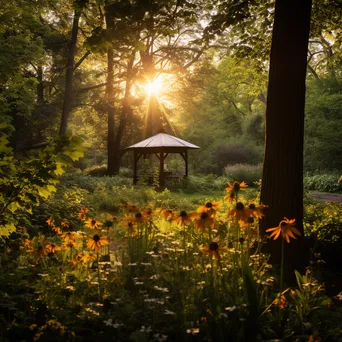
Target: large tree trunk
111,168
125,113
282,180
70,71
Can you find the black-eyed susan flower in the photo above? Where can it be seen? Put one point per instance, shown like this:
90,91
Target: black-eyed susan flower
167,214
203,221
52,248
85,258
286,229
257,211
230,197
69,236
69,243
240,212
65,224
138,218
96,242
213,249
57,230
236,186
209,207
92,224
184,218
50,221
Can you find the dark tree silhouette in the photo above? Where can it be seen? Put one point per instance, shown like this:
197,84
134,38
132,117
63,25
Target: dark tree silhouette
282,180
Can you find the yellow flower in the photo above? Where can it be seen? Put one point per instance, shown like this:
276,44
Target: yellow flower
257,211
231,197
92,224
203,221
85,258
52,248
184,218
286,228
167,214
57,230
82,213
96,242
69,243
138,218
69,236
240,212
209,207
280,302
50,222
213,249
236,186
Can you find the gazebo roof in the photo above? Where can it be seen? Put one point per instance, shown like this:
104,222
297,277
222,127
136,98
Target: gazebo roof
162,140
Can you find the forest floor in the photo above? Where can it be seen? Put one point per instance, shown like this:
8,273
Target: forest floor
326,196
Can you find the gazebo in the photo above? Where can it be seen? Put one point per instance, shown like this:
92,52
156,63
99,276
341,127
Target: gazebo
161,145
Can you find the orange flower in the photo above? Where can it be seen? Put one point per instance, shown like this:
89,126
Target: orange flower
92,224
184,218
50,221
257,211
203,221
65,224
86,257
167,214
280,302
52,248
236,186
213,249
39,250
57,230
69,243
138,218
209,207
96,242
231,197
240,212
286,228
69,236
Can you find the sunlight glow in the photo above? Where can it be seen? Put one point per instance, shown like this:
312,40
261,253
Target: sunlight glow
154,87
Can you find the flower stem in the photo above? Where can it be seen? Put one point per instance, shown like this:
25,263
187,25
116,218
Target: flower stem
282,264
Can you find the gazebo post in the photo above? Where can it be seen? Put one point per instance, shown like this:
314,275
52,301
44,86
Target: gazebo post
161,169
186,164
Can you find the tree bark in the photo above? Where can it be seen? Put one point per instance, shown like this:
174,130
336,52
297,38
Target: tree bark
111,169
282,179
70,71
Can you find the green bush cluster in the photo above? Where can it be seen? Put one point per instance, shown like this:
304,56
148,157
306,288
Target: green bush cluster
250,173
327,182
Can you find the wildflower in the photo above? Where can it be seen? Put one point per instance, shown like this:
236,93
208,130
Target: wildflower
213,249
52,248
96,242
69,243
280,302
115,219
286,228
167,214
236,186
82,213
231,197
209,207
65,224
314,338
50,221
240,212
138,218
69,236
92,224
148,213
203,222
85,258
184,218
257,211
57,230
40,249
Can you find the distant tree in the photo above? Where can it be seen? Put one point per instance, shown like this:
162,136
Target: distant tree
282,180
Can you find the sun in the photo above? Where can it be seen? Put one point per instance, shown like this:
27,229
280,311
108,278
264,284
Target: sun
154,87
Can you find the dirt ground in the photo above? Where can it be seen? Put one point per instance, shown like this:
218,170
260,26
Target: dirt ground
326,196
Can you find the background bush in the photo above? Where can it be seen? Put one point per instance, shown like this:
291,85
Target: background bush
327,182
243,172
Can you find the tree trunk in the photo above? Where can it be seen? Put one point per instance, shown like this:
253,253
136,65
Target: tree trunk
126,109
282,179
111,169
70,72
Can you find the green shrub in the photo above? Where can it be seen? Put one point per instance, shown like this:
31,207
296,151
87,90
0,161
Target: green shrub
323,182
243,172
96,170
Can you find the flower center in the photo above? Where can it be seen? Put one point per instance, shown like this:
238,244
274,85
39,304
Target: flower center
209,205
213,246
283,224
93,222
138,215
204,216
236,186
183,213
96,238
240,206
252,206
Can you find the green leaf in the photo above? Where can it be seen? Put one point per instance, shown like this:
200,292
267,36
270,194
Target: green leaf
7,229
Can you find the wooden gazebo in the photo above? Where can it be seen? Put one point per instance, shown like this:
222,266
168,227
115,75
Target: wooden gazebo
161,145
